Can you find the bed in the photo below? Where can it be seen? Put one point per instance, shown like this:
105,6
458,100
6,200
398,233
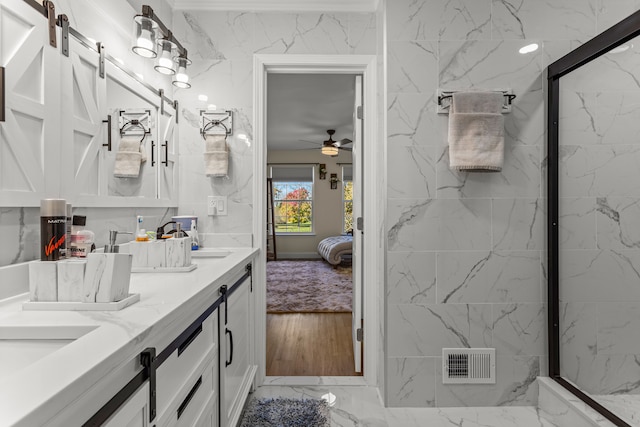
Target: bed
333,249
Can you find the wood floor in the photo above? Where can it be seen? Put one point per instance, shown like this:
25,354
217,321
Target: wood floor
309,344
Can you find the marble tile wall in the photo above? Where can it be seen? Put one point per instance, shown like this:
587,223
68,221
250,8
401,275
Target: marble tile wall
600,242
222,45
465,250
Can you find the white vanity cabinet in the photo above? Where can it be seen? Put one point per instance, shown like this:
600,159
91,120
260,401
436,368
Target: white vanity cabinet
237,369
187,381
134,412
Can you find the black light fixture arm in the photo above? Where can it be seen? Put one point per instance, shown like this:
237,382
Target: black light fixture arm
147,12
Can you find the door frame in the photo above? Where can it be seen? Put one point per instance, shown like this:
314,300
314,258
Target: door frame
371,189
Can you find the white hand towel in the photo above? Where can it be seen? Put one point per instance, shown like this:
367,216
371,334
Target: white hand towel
216,156
215,143
476,132
216,163
128,158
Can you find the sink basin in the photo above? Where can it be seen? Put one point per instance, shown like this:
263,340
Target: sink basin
20,346
210,253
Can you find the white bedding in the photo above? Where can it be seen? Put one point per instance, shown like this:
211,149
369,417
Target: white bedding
334,248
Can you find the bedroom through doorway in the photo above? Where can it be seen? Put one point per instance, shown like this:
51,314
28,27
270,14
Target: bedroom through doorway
313,274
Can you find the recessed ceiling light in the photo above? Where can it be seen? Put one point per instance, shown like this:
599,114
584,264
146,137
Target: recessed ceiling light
203,98
529,48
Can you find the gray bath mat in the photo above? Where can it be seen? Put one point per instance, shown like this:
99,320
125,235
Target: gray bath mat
281,412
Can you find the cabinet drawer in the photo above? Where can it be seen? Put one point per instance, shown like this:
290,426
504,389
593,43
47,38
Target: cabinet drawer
172,375
195,401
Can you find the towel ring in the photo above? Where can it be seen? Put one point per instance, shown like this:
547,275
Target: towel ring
210,125
133,124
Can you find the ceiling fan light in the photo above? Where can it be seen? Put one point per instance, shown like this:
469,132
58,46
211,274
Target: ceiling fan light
329,150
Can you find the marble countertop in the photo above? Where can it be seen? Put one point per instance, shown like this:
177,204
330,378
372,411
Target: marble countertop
168,303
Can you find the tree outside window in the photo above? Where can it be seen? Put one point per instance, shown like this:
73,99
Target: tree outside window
293,198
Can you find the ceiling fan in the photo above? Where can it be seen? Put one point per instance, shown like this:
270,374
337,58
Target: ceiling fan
331,147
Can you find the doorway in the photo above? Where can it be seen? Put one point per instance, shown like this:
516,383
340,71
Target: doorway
314,145
319,64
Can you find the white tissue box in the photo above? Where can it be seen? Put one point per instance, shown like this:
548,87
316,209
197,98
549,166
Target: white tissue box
167,253
107,277
43,281
71,280
148,254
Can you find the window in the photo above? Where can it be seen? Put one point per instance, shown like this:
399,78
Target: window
347,198
292,198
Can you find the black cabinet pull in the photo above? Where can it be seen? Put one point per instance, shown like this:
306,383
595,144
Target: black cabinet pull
230,361
153,154
187,399
108,122
165,162
2,94
189,340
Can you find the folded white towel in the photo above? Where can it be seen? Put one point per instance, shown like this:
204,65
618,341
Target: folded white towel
216,155
215,143
129,157
216,163
476,132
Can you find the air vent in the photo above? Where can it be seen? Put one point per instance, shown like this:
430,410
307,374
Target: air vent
468,366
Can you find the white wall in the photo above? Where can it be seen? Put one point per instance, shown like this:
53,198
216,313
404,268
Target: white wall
327,203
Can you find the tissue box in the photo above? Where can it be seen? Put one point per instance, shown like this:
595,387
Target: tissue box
167,253
148,254
71,280
107,277
43,281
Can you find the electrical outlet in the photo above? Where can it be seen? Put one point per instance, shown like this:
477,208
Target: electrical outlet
217,205
212,206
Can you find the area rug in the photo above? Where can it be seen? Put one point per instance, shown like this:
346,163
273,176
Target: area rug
281,412
314,286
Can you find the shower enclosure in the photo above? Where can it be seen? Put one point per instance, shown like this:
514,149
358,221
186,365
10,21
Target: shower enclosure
594,221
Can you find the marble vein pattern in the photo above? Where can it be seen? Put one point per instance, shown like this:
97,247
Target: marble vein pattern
599,276
519,329
424,329
439,20
577,222
518,224
439,224
488,277
530,18
411,277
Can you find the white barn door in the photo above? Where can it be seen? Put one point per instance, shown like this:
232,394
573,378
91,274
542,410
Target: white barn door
29,158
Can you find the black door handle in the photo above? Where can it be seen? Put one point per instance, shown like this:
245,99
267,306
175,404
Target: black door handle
230,361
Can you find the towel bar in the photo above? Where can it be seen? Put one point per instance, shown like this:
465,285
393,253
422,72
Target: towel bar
443,107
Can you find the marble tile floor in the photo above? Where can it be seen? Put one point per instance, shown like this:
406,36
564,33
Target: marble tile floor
625,406
360,406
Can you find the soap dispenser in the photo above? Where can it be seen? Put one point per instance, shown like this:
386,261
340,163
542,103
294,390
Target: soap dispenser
107,276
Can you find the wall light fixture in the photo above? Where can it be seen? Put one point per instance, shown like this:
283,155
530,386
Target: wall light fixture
151,39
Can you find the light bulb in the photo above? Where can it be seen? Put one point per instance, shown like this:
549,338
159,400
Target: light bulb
181,78
144,36
165,63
